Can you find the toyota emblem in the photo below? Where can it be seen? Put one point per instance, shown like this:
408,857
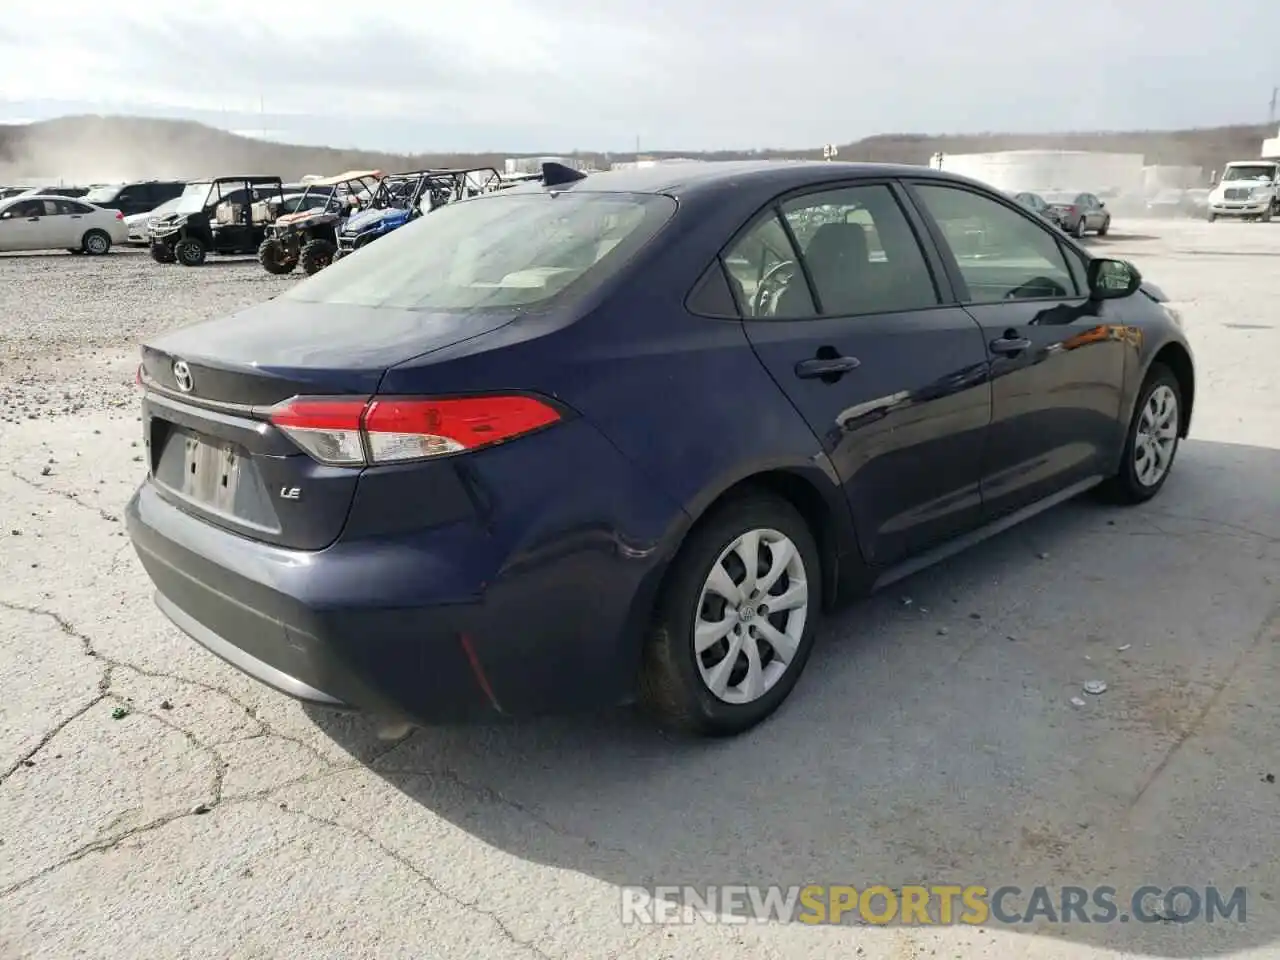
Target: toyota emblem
182,376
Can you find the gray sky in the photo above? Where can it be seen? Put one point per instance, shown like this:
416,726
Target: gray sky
555,75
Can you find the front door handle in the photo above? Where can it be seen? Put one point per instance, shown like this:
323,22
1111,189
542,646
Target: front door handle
1008,345
826,368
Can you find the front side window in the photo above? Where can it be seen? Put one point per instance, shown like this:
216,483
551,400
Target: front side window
860,251
494,252
1001,254
764,273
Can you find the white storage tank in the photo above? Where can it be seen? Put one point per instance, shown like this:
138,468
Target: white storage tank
1047,170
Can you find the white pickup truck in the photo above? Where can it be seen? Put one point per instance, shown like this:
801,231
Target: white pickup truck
1248,190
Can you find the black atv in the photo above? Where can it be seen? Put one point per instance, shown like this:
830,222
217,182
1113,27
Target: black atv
223,215
308,236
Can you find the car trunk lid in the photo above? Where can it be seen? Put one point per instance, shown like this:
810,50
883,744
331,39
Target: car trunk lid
211,449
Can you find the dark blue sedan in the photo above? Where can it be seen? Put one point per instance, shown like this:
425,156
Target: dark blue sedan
628,436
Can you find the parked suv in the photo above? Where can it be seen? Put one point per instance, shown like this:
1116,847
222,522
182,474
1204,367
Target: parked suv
141,196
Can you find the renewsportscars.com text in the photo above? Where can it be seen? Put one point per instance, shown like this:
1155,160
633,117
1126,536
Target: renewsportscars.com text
921,905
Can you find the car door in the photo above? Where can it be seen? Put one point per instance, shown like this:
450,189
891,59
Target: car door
1092,210
1057,357
19,226
859,330
73,219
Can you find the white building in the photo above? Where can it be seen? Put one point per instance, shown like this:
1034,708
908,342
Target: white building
1048,170
644,162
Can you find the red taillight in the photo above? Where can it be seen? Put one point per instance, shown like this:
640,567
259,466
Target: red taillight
119,215
1072,209
356,432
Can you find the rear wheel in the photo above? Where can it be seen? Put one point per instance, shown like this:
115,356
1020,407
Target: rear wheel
1152,441
274,258
316,255
96,243
162,253
735,620
189,252
1106,226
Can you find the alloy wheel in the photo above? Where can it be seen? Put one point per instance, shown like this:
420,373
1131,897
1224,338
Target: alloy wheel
1157,436
751,616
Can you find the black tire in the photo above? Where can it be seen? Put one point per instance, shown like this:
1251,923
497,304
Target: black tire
274,259
1126,487
316,255
671,687
189,252
162,253
1105,228
96,243
1211,217
1265,217
75,250
1079,229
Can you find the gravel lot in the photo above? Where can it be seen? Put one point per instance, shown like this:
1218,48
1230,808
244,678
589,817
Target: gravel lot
932,741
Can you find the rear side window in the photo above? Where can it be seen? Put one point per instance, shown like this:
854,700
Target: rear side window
502,250
860,251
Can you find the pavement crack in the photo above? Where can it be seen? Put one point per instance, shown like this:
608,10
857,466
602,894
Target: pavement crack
496,797
431,883
45,740
1269,626
64,624
66,495
111,664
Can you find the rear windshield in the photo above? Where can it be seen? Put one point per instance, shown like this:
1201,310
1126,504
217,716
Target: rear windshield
103,194
501,250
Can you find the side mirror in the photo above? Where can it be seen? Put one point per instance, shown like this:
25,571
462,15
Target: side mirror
1101,204
1112,279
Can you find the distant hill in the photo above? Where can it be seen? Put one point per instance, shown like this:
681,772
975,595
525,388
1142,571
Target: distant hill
103,149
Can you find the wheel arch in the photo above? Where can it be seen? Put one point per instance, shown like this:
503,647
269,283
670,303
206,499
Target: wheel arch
814,495
1178,359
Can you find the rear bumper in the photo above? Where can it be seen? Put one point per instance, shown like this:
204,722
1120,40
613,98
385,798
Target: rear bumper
460,622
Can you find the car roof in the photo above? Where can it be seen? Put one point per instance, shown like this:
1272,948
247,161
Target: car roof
46,196
685,178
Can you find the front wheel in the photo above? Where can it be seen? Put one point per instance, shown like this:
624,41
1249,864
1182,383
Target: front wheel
189,252
316,255
162,253
1211,217
274,258
1105,228
736,619
1152,441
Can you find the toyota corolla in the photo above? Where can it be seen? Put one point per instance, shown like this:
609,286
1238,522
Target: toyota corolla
628,436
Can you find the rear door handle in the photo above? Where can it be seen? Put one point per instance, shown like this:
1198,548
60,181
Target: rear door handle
1010,345
833,367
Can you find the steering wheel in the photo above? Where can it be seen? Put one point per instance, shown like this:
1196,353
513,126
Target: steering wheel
771,287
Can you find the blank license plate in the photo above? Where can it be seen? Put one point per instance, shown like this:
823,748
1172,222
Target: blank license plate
211,473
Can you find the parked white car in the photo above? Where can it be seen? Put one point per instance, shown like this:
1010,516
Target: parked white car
1249,189
57,223
139,224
